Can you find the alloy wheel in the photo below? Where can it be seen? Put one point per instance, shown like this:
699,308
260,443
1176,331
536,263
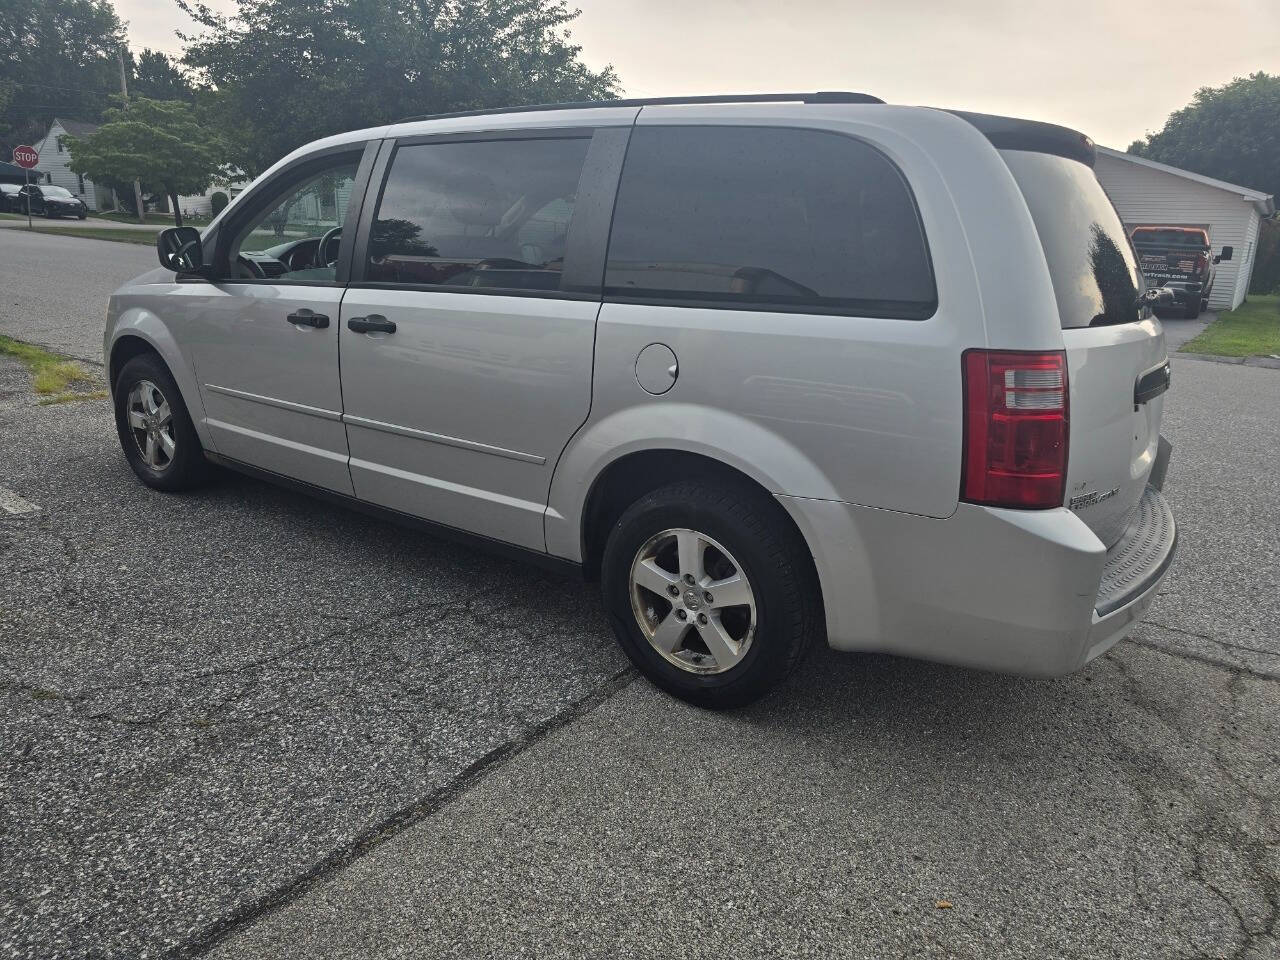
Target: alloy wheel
151,424
692,601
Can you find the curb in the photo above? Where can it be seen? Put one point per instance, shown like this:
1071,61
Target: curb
1269,363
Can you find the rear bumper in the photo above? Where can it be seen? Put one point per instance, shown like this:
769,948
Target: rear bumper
1184,290
1026,592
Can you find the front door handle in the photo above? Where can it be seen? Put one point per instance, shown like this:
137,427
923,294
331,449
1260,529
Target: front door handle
307,318
373,323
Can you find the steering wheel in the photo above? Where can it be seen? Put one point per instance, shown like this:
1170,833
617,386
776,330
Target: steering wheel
321,260
254,270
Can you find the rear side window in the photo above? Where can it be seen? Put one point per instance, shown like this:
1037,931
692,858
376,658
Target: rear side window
1092,264
771,218
492,213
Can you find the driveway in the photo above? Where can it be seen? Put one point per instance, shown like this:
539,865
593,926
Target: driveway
248,722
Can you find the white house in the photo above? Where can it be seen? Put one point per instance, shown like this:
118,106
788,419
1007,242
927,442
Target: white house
54,164
1147,193
53,168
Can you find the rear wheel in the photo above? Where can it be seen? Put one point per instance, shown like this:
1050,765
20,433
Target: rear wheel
1192,309
155,429
711,592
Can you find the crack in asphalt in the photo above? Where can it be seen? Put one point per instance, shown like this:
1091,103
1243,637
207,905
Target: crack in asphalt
1211,825
398,821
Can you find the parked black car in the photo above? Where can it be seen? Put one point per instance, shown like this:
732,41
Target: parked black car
50,201
10,202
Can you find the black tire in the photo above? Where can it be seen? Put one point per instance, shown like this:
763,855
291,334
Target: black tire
187,468
1192,308
770,552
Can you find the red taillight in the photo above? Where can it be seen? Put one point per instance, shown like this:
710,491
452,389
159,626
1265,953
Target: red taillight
1015,429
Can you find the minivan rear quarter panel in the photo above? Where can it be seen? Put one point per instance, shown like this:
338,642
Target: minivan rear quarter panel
861,409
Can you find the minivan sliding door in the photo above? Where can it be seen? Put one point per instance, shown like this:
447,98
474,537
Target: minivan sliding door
467,336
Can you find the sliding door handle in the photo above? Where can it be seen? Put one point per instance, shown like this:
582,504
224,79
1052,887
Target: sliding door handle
373,323
307,318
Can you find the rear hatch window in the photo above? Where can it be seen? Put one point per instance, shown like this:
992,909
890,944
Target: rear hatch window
1169,238
1092,264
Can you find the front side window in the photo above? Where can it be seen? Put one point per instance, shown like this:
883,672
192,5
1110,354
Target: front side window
298,236
489,214
767,217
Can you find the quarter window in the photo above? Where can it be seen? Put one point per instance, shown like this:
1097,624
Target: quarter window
492,213
767,217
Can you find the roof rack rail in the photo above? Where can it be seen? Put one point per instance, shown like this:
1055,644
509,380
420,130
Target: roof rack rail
818,96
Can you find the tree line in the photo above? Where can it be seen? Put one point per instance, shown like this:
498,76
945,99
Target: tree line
274,75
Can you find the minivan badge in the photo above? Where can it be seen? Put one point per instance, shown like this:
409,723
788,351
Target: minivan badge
1089,499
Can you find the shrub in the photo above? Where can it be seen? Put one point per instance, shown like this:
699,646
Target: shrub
218,201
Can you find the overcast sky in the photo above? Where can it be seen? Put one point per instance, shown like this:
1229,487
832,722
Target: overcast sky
1114,69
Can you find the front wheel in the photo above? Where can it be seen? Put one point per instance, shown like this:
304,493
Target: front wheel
155,429
711,591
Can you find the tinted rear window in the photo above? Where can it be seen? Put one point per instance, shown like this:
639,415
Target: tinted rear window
1095,274
1170,238
770,218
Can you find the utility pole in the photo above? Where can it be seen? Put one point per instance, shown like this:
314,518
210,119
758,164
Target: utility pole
124,92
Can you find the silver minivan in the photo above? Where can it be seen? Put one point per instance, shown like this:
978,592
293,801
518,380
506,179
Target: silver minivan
773,368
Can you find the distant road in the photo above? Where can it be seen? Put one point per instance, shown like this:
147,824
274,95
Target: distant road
54,290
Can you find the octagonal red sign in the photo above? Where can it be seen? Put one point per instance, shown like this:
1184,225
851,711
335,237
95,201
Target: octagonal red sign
25,156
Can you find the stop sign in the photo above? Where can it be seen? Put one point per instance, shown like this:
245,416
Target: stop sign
25,156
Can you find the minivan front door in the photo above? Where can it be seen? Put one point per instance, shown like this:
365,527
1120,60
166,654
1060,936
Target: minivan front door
467,343
265,342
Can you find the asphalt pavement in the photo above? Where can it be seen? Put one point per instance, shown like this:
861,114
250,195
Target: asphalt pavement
246,722
53,290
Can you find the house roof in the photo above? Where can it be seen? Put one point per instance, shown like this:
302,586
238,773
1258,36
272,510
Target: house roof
1263,202
77,128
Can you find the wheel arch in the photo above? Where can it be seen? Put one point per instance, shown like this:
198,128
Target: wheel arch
137,331
612,462
624,480
125,349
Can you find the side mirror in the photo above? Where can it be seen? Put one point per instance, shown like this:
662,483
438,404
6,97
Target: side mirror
1224,255
180,251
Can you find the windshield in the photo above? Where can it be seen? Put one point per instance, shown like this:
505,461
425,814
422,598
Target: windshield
1094,270
59,192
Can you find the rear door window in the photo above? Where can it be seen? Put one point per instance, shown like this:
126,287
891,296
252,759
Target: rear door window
767,218
485,213
1092,264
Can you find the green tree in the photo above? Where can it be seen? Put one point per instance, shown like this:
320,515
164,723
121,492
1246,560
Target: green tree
158,77
57,58
159,142
1230,132
279,73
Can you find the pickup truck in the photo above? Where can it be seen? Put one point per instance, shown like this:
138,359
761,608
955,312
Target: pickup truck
1178,258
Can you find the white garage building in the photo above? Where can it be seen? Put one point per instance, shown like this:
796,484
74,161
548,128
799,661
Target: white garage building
1147,193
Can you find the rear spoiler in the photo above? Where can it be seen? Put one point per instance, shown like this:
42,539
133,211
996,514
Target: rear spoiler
1010,133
